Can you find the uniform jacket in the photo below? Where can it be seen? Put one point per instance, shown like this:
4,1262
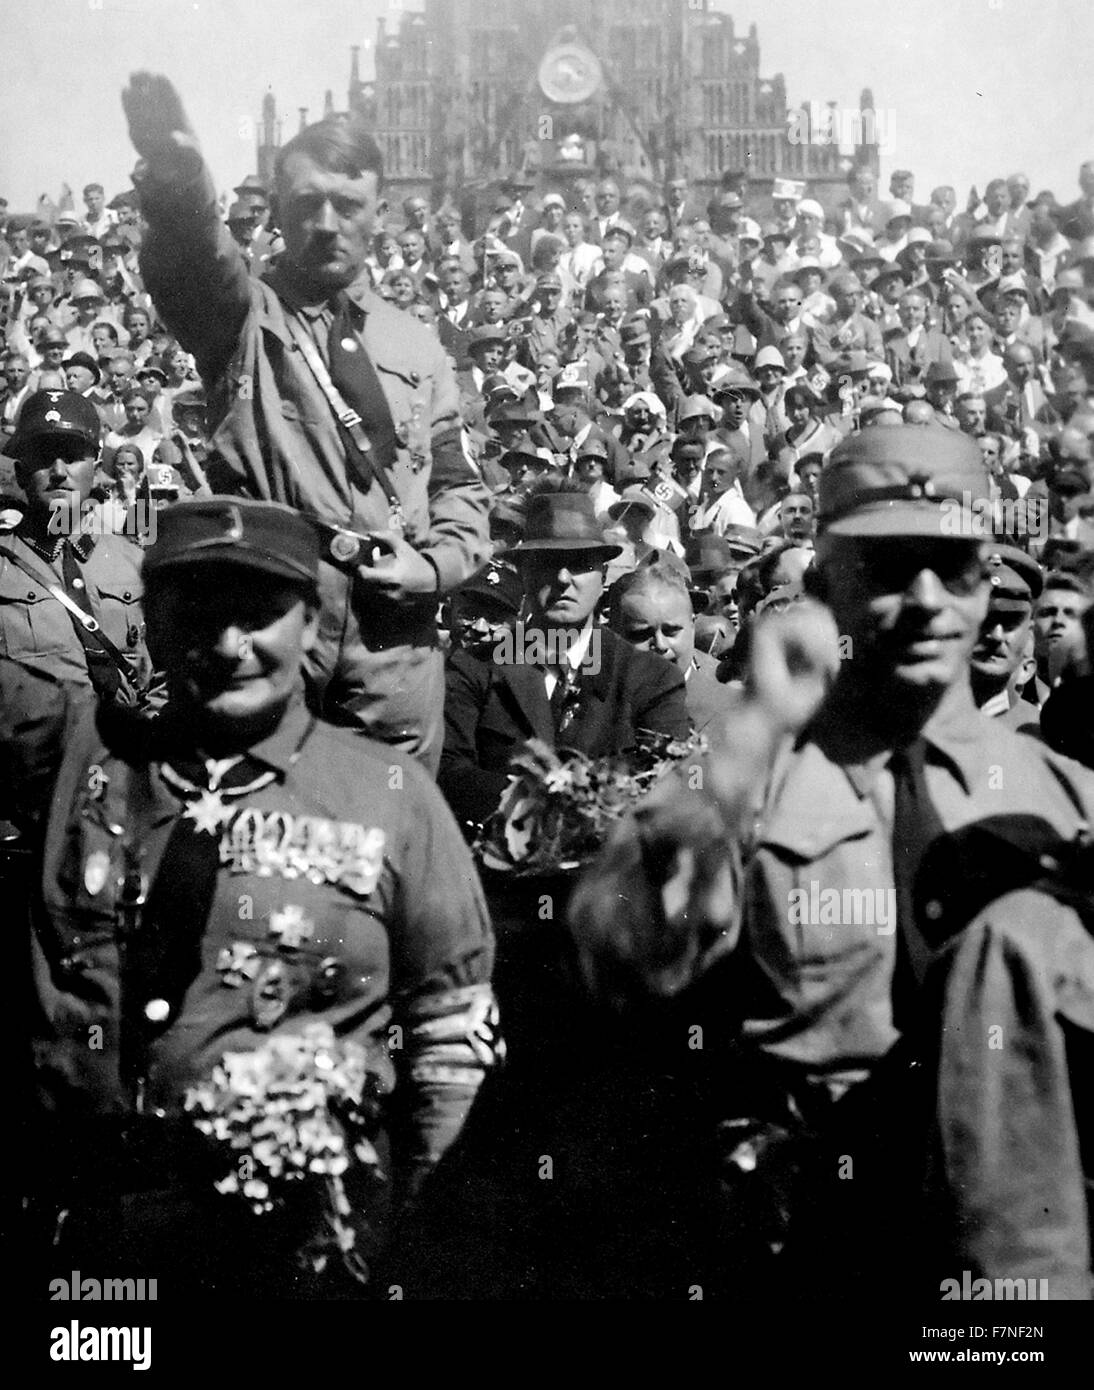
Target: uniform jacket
542,333
815,995
491,710
272,426
35,628
363,908
1006,1160
274,436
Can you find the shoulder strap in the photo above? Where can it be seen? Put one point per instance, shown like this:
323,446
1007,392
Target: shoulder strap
368,465
88,629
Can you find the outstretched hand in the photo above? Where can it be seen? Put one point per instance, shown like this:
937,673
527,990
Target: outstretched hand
795,656
157,119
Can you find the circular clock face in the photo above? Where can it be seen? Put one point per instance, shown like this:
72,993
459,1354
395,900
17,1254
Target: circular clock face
569,73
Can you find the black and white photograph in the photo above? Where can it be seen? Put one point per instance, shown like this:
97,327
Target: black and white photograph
547,667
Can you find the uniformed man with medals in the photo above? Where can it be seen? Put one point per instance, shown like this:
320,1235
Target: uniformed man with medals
219,885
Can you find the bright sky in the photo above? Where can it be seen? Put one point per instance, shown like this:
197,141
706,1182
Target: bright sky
969,89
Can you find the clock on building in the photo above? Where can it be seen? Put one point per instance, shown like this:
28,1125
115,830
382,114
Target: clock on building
569,73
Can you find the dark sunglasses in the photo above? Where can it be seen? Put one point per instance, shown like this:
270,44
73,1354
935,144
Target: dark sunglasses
891,567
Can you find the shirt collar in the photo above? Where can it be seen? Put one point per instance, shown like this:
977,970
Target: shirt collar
955,732
359,293
996,705
575,652
278,750
50,548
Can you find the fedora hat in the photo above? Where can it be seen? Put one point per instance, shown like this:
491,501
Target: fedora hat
563,521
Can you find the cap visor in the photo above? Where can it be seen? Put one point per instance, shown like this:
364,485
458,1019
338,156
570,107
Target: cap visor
603,547
230,553
907,519
21,438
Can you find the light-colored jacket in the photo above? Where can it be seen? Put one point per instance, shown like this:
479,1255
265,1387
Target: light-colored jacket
274,436
271,425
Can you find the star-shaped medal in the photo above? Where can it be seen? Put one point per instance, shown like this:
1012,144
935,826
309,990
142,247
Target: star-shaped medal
291,927
208,812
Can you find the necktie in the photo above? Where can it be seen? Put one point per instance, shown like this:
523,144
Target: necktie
563,698
916,825
164,956
352,372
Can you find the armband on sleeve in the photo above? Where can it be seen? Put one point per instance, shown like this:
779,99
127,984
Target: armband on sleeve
454,1037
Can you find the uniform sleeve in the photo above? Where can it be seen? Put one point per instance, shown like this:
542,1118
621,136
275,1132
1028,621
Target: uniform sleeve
37,714
458,540
75,784
1009,1000
442,955
192,268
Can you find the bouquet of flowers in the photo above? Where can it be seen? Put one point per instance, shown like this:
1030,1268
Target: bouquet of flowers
293,1114
559,806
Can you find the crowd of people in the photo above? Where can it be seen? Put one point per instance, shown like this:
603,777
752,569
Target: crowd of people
813,483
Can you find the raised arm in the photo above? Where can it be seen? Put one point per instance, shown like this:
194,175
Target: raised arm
662,901
192,268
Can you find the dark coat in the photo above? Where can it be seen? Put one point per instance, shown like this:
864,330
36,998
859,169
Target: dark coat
909,365
1008,414
491,710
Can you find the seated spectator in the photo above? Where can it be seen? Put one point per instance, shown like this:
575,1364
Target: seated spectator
583,687
651,609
